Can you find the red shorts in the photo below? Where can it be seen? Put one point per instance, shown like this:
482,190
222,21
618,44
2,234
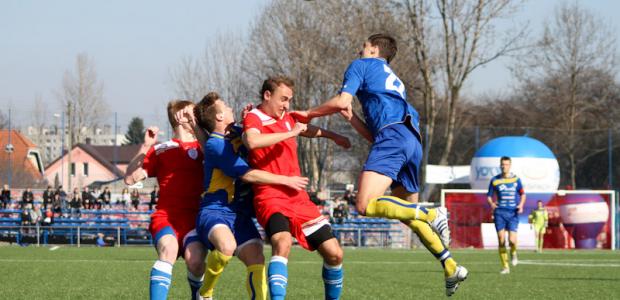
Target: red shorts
180,223
303,215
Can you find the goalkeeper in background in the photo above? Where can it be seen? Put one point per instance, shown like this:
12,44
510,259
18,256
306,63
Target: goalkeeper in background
539,218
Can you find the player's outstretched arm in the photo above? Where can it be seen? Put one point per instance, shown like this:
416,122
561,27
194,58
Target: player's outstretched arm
314,132
253,139
263,177
135,172
336,104
187,115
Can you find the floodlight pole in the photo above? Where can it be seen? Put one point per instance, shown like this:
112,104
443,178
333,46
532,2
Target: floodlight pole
610,157
10,151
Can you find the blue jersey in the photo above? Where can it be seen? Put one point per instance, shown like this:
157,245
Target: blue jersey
508,191
381,93
224,163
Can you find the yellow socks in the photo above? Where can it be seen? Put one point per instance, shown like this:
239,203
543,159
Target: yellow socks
256,283
432,242
216,261
513,250
395,208
503,257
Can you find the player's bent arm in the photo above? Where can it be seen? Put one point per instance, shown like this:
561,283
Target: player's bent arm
361,128
336,104
263,177
522,202
491,202
135,172
253,139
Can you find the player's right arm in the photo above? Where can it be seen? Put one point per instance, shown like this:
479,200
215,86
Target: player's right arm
353,78
135,171
253,138
263,177
490,196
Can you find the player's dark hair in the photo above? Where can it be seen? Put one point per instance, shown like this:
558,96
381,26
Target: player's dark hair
173,107
504,158
273,82
386,44
205,111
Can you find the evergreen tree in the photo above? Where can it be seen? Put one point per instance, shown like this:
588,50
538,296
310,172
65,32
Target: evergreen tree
135,132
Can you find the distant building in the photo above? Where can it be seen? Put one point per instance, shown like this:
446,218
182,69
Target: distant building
50,138
89,164
23,164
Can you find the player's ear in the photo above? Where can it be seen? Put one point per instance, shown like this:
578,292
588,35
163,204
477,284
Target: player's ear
219,116
267,95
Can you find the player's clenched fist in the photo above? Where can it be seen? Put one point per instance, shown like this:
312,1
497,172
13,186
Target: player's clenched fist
150,136
299,128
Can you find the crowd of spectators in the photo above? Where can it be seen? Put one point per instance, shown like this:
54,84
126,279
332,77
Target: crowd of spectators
55,203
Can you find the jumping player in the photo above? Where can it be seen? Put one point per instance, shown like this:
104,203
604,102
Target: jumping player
391,125
270,133
224,222
177,164
507,187
539,218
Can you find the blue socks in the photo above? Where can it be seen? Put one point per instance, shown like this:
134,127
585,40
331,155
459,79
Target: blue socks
161,275
195,282
332,280
278,277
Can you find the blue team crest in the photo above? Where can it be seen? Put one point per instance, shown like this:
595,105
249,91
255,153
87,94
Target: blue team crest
193,153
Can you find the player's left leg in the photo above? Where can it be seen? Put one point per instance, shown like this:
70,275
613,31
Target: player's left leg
512,241
194,256
453,273
251,254
332,254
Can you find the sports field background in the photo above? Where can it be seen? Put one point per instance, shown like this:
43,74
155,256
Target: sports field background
122,273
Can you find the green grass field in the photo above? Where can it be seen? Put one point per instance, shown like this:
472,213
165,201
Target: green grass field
122,273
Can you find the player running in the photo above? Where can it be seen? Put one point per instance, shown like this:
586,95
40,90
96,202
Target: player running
177,164
270,133
391,125
539,218
507,187
224,222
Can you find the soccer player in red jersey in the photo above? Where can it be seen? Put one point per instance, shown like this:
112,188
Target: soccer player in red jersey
177,164
270,135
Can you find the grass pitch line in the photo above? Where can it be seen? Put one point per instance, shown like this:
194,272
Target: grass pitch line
567,264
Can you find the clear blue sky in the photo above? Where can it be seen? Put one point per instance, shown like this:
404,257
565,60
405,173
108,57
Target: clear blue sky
135,43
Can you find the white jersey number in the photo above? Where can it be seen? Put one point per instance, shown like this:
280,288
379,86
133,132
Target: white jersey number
392,79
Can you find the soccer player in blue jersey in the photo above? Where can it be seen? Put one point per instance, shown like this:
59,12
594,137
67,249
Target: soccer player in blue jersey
510,200
224,223
391,125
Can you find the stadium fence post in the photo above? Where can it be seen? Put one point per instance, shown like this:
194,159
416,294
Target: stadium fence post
359,238
38,236
118,237
78,236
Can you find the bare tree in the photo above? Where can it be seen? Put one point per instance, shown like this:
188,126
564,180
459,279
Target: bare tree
4,120
81,96
218,69
450,40
574,49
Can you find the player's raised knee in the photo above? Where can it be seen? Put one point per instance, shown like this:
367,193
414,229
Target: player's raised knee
334,257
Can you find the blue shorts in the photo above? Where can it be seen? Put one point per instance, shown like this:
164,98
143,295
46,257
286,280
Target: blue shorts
242,226
506,219
397,153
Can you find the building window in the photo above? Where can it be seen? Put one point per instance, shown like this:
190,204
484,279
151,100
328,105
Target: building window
72,169
85,167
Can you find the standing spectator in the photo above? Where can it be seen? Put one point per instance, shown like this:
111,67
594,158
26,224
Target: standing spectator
105,198
25,217
48,196
57,204
63,198
27,198
154,197
76,204
341,211
135,199
124,198
88,199
6,196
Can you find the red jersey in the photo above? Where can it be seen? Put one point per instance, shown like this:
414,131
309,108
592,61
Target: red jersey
178,168
280,158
